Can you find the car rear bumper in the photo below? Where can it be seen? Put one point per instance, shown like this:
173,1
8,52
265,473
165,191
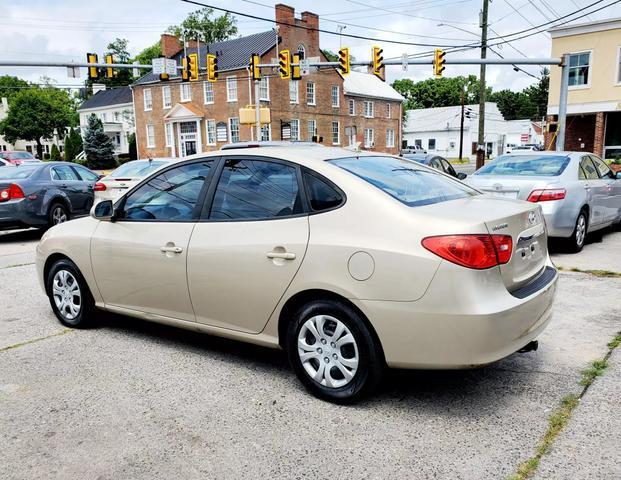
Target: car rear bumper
16,214
467,318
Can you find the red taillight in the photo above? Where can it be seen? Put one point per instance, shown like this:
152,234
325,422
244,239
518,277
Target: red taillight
478,251
99,187
545,195
12,192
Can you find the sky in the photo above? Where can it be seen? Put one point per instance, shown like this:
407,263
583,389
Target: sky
55,30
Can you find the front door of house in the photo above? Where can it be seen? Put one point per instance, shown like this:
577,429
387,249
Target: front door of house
188,138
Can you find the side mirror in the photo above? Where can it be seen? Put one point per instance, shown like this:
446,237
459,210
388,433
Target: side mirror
104,210
461,175
618,175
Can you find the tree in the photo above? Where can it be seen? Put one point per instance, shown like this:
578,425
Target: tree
9,86
73,145
133,152
148,54
441,92
199,25
55,153
35,114
97,145
538,94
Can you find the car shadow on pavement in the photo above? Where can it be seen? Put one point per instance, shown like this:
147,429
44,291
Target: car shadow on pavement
21,235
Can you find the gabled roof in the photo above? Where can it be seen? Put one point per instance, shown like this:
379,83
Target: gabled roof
182,111
232,54
107,98
367,85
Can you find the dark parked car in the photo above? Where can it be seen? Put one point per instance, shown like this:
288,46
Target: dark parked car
16,157
44,194
436,162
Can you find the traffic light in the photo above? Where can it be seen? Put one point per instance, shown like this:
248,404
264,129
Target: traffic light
92,71
109,70
378,62
438,62
255,70
185,71
344,61
295,69
193,66
284,61
212,67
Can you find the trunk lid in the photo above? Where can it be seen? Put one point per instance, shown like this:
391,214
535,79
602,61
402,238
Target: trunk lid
510,187
119,185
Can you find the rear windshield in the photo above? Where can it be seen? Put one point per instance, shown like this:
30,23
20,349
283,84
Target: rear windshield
15,173
404,180
526,165
418,158
136,169
21,155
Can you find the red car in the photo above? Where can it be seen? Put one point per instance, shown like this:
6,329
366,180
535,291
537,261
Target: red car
17,157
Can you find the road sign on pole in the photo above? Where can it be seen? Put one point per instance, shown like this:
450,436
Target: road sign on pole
304,67
170,66
159,65
73,72
404,62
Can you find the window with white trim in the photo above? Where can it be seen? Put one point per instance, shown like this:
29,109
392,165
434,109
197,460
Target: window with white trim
368,109
579,69
266,132
117,116
148,99
311,129
619,65
168,128
336,133
310,93
208,92
352,106
368,138
295,129
234,129
335,96
231,89
390,138
166,96
150,136
264,89
211,132
186,92
431,144
294,91
388,110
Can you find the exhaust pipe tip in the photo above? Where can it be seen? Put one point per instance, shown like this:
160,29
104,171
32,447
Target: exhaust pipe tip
531,346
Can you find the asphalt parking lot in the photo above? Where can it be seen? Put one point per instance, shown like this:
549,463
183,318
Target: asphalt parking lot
137,400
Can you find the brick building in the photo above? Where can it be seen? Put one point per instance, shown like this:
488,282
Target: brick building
175,118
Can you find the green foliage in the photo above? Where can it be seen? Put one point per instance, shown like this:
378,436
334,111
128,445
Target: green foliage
133,152
514,105
330,55
9,86
123,76
97,145
199,25
55,154
148,54
73,145
35,113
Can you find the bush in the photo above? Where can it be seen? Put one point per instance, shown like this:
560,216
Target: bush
73,145
55,154
123,158
46,156
133,153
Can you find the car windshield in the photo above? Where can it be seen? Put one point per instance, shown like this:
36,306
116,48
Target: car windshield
136,169
526,165
403,180
21,155
16,173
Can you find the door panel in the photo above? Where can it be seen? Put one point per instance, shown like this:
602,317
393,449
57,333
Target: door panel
610,190
68,181
595,191
133,272
232,281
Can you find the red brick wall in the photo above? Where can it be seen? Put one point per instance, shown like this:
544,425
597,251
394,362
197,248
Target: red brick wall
581,129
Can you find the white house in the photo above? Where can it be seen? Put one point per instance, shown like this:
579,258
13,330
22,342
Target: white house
437,130
115,108
523,131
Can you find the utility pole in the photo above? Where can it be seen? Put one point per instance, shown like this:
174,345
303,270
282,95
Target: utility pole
481,148
461,126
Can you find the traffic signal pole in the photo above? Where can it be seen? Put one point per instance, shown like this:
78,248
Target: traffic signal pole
461,126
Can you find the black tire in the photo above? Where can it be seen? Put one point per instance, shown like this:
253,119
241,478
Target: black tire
578,236
370,360
58,213
84,315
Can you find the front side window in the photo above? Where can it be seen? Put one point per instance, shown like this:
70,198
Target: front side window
336,134
404,181
208,92
603,169
256,189
321,195
335,96
528,165
63,172
211,132
234,129
295,129
148,99
170,196
293,91
231,89
86,174
186,92
368,137
264,89
589,172
579,64
166,97
150,136
310,93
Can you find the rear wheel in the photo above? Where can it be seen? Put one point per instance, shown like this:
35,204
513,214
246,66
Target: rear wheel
69,295
58,214
333,353
576,241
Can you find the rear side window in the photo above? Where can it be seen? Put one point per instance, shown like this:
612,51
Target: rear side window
588,168
86,174
602,168
404,180
63,172
321,195
256,190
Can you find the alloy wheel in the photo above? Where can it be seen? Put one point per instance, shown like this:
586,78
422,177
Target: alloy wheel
67,295
328,351
59,215
580,230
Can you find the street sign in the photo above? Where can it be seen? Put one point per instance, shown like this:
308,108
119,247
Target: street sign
304,67
73,72
159,65
404,62
135,71
170,66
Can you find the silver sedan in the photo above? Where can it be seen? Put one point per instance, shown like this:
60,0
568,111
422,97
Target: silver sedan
577,191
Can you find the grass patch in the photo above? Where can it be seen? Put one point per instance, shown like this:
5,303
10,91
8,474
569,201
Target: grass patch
34,340
561,416
18,265
596,273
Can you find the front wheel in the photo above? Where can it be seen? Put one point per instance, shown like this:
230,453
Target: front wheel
70,297
576,241
333,352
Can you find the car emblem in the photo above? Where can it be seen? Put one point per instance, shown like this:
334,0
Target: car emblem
532,218
497,186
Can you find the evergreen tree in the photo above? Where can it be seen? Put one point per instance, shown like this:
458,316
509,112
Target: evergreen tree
73,145
55,153
133,153
98,146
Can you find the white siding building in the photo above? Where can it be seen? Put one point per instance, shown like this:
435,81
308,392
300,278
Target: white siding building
437,130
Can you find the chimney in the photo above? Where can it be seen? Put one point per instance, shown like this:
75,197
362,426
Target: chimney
285,14
5,104
170,45
310,19
98,87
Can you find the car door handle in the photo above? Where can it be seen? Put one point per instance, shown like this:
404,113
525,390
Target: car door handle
171,249
283,255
